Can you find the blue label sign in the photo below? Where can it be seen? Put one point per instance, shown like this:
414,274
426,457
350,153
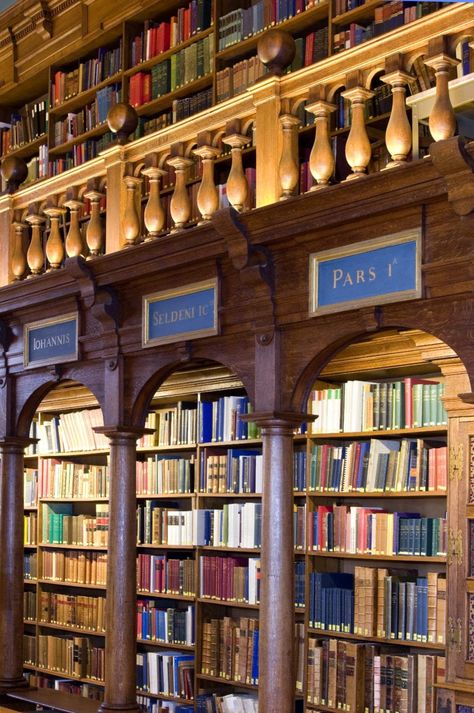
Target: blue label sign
188,312
50,341
372,272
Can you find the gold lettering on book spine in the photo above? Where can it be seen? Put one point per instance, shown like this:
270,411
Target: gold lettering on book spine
456,456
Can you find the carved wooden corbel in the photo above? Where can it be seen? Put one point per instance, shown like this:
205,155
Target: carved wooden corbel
456,166
79,270
371,318
184,351
106,310
40,15
254,263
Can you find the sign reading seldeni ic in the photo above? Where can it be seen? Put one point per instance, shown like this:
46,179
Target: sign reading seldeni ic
51,341
372,272
187,312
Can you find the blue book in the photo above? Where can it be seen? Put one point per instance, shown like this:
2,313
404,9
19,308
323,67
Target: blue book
254,676
205,421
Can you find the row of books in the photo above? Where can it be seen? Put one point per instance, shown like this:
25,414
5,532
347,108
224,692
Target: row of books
188,106
160,475
25,125
361,530
372,602
230,649
311,48
66,685
77,567
30,565
89,117
229,703
372,406
60,526
167,672
64,479
71,431
233,579
241,23
166,624
234,80
88,74
220,420
30,523
76,656
172,425
379,466
236,471
29,605
37,166
158,37
348,676
184,66
165,575
30,487
387,17
75,610
81,153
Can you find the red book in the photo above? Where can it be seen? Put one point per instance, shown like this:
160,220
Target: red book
146,88
441,458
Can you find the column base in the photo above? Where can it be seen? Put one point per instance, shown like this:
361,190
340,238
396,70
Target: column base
9,684
123,707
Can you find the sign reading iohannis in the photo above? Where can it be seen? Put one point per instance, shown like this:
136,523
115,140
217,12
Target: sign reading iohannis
51,341
188,312
386,269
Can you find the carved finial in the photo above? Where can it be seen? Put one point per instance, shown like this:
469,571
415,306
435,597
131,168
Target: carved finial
276,50
14,171
122,120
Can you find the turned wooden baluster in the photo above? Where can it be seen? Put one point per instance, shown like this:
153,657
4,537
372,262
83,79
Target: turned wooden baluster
180,204
207,196
154,215
288,168
442,120
237,187
131,217
95,230
34,255
54,243
358,151
398,131
18,259
74,242
321,159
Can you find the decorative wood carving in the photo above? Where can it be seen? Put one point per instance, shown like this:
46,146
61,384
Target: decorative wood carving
208,196
398,131
54,243
95,229
18,258
456,165
180,204
288,168
34,255
154,214
74,242
131,218
358,151
106,310
237,185
321,160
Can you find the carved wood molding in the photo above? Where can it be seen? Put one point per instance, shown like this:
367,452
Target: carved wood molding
255,265
456,166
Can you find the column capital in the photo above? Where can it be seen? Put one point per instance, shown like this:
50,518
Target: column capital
127,432
278,419
19,442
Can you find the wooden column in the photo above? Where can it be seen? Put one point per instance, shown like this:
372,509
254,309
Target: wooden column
277,662
11,562
120,639
398,132
269,140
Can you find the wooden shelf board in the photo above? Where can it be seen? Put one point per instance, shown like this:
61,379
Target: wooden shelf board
164,697
391,494
74,499
166,595
211,548
293,25
58,700
363,12
27,150
166,496
79,585
166,644
93,548
167,547
72,629
395,558
226,681
30,508
30,622
164,102
98,130
30,581
83,98
73,677
244,496
167,449
243,442
72,454
227,603
408,432
147,64
376,639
